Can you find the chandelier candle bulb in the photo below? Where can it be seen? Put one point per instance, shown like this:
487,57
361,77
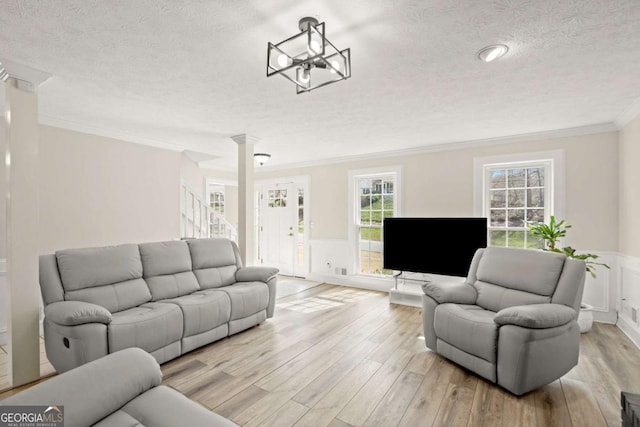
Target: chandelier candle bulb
283,60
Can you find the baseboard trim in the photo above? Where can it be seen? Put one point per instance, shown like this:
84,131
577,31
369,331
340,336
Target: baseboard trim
372,284
605,317
630,331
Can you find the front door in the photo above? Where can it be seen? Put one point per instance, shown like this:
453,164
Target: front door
278,227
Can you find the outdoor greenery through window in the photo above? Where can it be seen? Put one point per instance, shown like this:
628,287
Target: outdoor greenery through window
216,201
217,227
376,202
516,196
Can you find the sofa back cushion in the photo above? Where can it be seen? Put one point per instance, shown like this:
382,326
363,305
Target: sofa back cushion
215,261
167,269
109,276
505,277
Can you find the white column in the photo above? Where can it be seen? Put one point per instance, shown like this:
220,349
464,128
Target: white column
21,174
246,197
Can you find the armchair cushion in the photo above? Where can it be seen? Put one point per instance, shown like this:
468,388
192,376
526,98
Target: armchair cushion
536,316
72,313
459,293
469,328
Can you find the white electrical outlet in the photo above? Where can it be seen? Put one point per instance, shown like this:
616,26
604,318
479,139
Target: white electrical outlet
634,315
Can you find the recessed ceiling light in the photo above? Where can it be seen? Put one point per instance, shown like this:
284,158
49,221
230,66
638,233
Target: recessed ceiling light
493,52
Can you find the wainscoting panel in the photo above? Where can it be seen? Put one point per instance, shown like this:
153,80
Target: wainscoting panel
629,307
332,262
330,257
598,291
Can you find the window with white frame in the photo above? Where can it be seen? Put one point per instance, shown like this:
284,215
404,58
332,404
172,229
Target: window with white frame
376,199
517,190
216,198
217,224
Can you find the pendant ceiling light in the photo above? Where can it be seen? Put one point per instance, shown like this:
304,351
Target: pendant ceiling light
308,59
261,158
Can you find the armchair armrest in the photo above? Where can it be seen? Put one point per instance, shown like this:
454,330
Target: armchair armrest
72,313
536,316
459,293
256,274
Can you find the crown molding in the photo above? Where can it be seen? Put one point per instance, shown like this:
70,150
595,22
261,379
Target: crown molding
629,114
459,145
245,138
107,133
438,147
27,78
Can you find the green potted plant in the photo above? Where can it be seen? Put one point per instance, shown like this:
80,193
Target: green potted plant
550,234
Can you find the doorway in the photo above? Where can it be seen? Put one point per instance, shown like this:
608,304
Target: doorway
282,223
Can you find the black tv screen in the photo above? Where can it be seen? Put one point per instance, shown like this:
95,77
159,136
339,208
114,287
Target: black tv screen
433,245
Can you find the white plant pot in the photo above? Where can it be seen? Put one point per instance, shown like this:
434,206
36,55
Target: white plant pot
585,318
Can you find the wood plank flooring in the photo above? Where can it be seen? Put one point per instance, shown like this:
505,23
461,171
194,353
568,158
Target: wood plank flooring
337,356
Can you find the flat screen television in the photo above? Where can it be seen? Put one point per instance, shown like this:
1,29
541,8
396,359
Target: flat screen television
433,245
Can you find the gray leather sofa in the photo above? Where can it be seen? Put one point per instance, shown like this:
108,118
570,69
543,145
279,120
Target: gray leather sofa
513,321
167,298
122,389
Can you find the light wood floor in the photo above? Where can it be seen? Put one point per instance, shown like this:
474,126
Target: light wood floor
336,356
364,363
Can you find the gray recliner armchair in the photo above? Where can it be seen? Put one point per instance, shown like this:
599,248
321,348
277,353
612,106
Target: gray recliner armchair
513,321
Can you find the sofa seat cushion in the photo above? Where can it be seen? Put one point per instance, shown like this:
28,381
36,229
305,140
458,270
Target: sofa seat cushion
247,298
203,311
151,326
470,328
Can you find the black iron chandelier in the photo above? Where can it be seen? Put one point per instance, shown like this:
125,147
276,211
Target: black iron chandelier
308,59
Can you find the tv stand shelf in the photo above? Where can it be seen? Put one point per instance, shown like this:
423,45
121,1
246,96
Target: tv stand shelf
408,291
406,277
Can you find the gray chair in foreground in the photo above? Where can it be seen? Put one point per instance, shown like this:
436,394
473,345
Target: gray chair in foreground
122,389
513,321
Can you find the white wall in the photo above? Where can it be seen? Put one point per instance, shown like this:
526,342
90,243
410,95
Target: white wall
195,177
629,267
440,183
97,191
192,176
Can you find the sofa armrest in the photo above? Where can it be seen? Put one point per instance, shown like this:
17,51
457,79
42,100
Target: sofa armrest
73,313
96,389
256,274
459,293
536,316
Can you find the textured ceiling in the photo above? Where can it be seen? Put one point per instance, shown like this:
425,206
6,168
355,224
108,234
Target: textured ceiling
189,74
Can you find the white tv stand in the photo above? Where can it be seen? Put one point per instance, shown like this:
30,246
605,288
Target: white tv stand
407,289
